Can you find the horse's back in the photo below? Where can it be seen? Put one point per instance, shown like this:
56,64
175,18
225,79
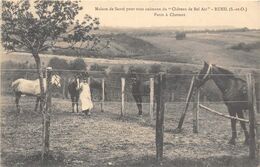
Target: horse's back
236,96
141,88
24,86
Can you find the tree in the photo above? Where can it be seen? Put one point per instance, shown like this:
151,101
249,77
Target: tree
155,69
58,63
41,28
180,35
136,70
78,64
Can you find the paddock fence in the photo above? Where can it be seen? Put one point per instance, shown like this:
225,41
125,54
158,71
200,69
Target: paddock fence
111,92
106,88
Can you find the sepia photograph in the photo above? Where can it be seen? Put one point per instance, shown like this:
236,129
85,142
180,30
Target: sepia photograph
93,83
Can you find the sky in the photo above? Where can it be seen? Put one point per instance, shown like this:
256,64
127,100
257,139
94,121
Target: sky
210,17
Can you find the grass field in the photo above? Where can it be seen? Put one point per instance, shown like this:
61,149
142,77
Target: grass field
105,140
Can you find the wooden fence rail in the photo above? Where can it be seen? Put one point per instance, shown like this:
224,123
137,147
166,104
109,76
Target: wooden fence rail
221,114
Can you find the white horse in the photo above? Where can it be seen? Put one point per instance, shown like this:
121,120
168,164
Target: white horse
31,88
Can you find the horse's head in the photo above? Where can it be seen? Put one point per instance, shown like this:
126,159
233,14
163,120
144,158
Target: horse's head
77,79
203,76
56,80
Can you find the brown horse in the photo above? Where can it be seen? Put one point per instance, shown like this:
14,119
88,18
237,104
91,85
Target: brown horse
234,93
73,89
96,84
140,89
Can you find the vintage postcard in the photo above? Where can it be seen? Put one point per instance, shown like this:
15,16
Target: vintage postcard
130,83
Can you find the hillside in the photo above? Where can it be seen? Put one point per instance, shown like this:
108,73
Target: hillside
230,49
213,47
121,45
161,45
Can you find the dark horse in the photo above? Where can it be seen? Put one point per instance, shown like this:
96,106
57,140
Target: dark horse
139,90
234,92
96,84
73,89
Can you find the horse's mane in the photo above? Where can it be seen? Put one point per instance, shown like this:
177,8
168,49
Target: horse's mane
225,71
229,73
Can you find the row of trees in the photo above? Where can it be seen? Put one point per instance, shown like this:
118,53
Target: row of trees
79,64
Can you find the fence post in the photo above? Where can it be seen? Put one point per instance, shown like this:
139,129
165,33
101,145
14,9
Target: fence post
64,89
252,128
172,96
103,94
26,75
89,80
46,115
178,129
160,117
257,103
122,96
151,98
195,112
257,92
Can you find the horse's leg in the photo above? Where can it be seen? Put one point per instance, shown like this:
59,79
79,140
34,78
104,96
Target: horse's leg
233,127
41,104
243,125
17,99
36,105
72,103
106,95
154,101
139,104
77,103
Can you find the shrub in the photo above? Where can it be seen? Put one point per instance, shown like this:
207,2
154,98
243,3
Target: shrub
58,63
78,64
96,67
118,71
241,46
155,69
134,69
180,35
174,70
246,47
13,65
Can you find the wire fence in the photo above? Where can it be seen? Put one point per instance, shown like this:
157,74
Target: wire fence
177,88
177,84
